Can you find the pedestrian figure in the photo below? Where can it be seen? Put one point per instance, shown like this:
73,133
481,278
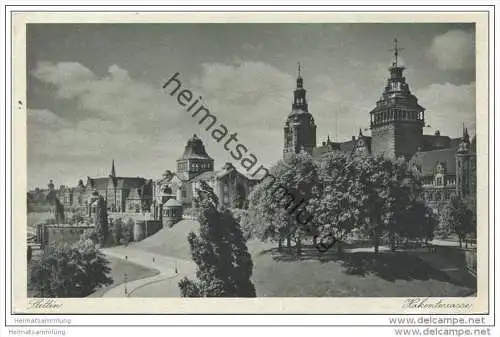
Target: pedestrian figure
126,257
153,259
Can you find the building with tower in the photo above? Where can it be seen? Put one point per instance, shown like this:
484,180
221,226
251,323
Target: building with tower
397,120
194,160
195,165
300,128
122,194
448,165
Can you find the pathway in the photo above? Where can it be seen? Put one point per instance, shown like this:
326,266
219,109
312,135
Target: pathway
170,268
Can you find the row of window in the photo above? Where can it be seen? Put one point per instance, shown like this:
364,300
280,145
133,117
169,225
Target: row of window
440,181
438,195
194,166
392,114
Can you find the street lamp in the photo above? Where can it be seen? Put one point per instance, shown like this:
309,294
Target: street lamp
125,277
146,223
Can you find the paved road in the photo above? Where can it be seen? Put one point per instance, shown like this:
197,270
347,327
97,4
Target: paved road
171,271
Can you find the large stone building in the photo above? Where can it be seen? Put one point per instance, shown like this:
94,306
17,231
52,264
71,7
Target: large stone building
448,165
195,165
122,194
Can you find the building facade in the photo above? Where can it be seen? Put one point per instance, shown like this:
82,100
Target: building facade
447,165
122,194
195,165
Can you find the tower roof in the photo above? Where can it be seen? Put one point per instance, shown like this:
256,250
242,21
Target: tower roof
464,145
300,80
113,172
195,149
397,93
299,95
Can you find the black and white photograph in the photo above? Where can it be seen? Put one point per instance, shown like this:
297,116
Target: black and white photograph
252,160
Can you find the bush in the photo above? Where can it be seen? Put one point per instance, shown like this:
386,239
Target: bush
128,231
241,216
70,271
191,212
116,228
89,234
220,252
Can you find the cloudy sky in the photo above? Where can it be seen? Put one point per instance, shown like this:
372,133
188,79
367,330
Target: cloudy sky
95,91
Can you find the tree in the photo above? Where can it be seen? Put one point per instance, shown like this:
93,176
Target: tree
405,214
278,206
239,197
101,221
116,231
471,206
89,234
127,231
220,252
334,203
70,271
29,253
59,211
388,196
459,218
417,223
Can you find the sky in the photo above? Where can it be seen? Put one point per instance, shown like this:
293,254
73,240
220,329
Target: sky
95,90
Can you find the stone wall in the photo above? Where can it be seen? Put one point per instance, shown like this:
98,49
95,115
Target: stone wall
52,235
146,228
396,139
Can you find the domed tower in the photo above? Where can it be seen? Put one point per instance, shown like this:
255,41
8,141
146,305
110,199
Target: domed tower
194,160
466,167
300,129
397,120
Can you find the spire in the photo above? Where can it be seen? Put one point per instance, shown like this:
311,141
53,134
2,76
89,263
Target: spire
464,146
328,139
300,81
396,50
299,95
360,133
113,172
465,135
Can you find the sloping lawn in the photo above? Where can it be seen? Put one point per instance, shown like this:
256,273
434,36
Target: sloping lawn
118,269
170,241
359,274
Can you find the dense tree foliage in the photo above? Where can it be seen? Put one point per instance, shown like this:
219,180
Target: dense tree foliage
29,253
101,221
278,205
220,252
458,216
116,231
128,231
339,194
58,211
70,271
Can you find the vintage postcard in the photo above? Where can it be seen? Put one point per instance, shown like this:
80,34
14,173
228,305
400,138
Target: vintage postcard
250,163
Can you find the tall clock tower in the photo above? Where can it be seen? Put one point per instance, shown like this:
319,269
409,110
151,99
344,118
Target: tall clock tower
300,129
397,120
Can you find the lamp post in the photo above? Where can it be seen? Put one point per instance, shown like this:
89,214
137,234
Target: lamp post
125,277
146,223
